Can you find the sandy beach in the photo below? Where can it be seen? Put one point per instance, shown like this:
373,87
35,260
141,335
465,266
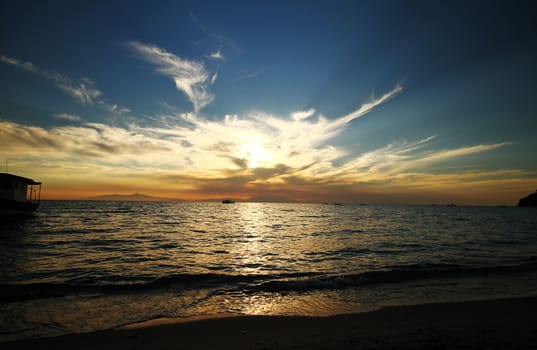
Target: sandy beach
493,324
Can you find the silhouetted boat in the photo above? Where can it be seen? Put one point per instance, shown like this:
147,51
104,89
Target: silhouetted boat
18,195
228,201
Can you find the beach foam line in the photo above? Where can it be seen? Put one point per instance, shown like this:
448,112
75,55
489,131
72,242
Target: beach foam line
489,324
162,321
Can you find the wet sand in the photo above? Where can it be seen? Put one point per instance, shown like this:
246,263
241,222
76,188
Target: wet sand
493,324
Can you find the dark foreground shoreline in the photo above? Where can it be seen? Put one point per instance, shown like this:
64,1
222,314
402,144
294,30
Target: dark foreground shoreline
491,324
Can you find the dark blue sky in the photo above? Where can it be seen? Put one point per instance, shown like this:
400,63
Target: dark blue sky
466,68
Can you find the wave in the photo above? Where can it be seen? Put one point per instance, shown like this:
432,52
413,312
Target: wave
10,292
392,275
255,283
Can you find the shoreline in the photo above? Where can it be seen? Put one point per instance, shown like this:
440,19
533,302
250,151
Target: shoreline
489,324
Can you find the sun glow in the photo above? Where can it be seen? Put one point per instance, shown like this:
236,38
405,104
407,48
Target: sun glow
255,154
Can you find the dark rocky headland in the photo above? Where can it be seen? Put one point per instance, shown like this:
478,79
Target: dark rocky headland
529,201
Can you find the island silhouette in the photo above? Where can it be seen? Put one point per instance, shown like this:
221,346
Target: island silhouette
133,197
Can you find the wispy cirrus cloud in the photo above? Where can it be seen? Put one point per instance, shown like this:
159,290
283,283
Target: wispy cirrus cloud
83,90
301,115
29,66
219,39
217,55
190,77
68,117
398,159
249,75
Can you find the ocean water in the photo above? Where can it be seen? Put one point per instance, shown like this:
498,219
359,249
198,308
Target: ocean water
80,266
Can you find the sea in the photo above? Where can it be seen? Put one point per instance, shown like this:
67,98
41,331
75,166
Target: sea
83,266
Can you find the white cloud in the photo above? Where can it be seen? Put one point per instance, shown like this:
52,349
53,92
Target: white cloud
400,158
301,115
29,66
214,77
216,55
366,107
83,90
190,77
69,117
84,93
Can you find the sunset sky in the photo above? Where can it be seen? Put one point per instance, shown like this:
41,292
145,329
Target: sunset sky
319,101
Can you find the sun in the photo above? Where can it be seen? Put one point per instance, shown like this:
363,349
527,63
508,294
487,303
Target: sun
255,154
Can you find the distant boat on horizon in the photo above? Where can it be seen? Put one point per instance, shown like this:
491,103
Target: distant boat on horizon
228,201
18,195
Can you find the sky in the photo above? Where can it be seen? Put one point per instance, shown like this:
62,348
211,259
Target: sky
404,102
